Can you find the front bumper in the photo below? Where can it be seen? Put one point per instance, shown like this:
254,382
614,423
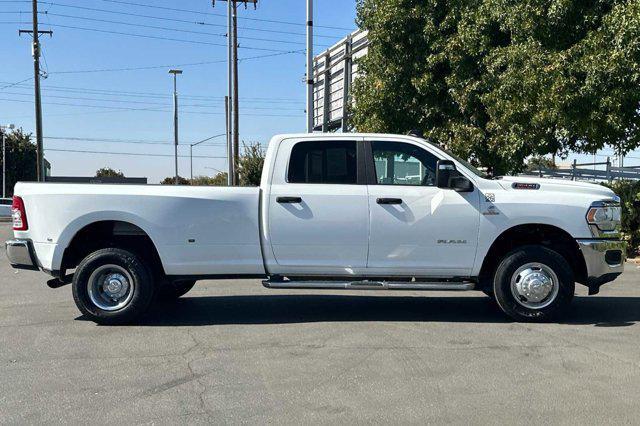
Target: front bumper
604,260
21,254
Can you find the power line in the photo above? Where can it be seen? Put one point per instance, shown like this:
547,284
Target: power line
78,98
138,25
15,84
180,40
124,141
172,65
108,21
145,154
112,92
144,109
184,21
219,14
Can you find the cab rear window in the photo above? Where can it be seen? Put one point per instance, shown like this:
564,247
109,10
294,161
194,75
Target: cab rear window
333,162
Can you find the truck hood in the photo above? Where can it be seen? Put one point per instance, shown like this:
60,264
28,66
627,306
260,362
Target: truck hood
559,185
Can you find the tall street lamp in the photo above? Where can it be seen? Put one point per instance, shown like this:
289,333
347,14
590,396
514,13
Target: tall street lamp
191,145
3,129
175,119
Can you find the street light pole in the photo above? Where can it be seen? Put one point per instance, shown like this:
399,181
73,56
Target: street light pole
175,119
191,145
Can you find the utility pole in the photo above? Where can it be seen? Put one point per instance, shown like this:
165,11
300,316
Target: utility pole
309,66
36,84
4,167
175,119
236,115
230,178
227,117
233,115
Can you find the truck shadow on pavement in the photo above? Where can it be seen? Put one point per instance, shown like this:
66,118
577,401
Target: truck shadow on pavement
603,311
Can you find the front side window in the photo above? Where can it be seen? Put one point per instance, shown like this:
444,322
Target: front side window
403,164
323,162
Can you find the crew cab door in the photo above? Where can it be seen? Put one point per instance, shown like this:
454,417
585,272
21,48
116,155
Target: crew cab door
318,213
416,227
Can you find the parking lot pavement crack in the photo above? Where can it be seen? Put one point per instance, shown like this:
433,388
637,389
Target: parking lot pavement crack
203,388
170,385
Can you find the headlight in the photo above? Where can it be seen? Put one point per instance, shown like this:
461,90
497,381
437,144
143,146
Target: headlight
605,216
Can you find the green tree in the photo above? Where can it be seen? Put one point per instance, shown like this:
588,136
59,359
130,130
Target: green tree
21,159
251,163
537,162
498,81
109,172
170,180
220,179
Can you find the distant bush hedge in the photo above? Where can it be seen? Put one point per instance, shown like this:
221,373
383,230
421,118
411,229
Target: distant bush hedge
629,192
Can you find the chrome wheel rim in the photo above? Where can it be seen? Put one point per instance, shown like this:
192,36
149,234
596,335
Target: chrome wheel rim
110,287
534,285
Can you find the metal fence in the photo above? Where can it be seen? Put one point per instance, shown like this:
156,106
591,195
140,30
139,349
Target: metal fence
602,171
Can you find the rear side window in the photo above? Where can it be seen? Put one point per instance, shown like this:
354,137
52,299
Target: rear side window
323,162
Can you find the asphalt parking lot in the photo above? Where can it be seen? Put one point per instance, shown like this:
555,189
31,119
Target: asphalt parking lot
234,352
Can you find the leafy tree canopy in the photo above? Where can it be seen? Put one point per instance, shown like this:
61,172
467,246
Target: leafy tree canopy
109,172
219,179
535,163
21,159
170,180
251,163
498,81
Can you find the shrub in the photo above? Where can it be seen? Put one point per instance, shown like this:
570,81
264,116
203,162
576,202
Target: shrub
629,192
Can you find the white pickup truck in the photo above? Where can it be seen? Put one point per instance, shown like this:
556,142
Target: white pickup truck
333,211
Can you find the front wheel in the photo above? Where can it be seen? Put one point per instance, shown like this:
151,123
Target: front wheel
112,286
533,284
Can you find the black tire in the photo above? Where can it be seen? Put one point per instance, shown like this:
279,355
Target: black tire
546,261
135,301
169,291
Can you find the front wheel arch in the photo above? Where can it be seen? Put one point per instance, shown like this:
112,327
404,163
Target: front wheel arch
548,236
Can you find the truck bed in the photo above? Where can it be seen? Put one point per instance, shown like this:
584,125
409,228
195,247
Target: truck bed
197,230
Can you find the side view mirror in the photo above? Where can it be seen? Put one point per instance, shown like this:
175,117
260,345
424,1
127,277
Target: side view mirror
461,184
448,177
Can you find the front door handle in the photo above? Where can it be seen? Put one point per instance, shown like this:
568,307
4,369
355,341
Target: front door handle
389,201
283,200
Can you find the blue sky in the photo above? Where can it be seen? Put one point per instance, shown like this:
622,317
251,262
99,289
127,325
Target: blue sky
84,106
136,105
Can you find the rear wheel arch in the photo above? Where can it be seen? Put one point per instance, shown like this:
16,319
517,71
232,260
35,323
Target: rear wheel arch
549,236
111,234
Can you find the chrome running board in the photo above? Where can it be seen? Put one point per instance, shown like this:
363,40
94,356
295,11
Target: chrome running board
371,285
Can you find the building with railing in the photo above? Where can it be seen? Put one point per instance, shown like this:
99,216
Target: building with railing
333,73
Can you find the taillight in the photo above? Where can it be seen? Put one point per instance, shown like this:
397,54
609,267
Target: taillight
19,214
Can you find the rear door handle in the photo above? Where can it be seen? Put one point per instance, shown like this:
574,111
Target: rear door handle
389,201
283,200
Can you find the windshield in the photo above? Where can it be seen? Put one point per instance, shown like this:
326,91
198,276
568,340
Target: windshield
468,165
465,163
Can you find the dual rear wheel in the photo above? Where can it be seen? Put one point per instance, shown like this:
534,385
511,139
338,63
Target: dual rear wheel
115,286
